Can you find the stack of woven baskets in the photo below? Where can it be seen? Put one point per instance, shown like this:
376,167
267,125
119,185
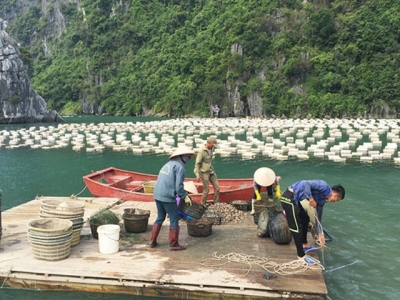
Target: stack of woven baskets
69,210
50,238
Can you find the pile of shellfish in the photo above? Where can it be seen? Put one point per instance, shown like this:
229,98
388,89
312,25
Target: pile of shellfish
227,212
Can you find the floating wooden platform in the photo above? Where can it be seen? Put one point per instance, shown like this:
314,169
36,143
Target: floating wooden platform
139,270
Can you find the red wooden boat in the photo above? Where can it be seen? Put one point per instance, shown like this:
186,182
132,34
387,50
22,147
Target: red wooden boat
131,186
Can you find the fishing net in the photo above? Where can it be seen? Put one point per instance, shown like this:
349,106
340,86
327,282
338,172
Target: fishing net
103,217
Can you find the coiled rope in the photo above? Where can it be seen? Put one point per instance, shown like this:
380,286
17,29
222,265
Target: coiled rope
288,268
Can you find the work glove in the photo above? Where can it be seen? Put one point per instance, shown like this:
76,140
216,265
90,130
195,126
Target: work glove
278,192
258,196
188,201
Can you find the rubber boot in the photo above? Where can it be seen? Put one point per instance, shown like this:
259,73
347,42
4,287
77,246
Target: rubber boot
252,206
173,239
154,235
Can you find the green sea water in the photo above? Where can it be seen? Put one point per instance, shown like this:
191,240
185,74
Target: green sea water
362,261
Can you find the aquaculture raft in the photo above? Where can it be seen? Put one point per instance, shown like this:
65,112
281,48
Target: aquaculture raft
138,270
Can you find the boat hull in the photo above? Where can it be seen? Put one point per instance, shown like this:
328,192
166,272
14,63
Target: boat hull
128,186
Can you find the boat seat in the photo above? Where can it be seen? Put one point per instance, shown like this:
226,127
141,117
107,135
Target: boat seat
119,178
134,185
119,181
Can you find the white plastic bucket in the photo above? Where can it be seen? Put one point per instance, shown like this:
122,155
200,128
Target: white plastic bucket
108,238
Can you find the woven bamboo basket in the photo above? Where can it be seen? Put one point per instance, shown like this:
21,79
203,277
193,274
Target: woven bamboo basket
51,225
76,237
196,210
242,205
135,219
50,239
199,228
70,207
51,252
215,218
149,186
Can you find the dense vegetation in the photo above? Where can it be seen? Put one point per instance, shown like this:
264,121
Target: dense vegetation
338,58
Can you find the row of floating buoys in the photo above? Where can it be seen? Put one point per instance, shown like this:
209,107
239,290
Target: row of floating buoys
281,139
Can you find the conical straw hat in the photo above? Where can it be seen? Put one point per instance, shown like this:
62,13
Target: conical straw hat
264,176
182,151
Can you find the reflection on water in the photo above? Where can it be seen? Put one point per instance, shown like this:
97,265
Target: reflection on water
360,262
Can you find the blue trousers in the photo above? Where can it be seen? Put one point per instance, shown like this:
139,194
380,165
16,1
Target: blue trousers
170,208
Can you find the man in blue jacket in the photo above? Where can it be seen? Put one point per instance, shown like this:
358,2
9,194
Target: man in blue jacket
169,185
316,193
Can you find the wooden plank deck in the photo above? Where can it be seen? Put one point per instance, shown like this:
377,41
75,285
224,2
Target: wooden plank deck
139,270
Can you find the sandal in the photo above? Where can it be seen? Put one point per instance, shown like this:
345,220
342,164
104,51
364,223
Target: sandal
309,249
308,260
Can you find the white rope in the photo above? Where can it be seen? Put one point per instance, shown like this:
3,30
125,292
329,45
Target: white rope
73,196
288,268
318,224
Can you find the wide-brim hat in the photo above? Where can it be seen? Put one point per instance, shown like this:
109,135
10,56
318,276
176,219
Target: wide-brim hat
182,151
212,140
264,176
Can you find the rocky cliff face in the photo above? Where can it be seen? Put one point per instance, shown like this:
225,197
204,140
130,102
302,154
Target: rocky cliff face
19,103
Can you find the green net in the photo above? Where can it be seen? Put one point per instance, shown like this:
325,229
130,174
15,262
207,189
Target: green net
102,217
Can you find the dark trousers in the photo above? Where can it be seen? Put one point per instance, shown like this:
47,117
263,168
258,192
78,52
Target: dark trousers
164,208
297,219
269,190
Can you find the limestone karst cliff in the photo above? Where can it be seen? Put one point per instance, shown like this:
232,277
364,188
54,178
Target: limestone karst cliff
19,103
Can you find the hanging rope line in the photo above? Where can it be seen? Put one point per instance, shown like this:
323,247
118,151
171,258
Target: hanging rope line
288,268
73,196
